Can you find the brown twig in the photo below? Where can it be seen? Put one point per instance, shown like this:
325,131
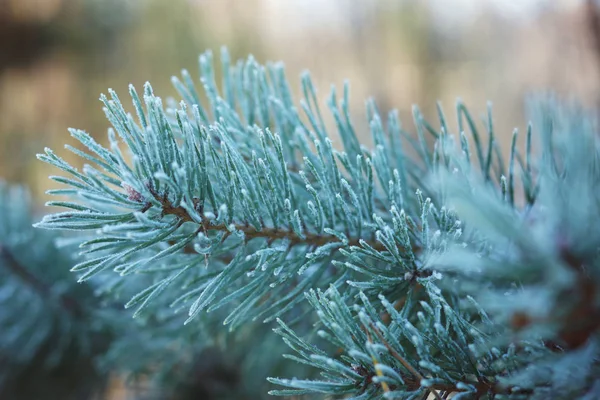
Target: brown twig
250,232
398,304
384,385
482,387
404,363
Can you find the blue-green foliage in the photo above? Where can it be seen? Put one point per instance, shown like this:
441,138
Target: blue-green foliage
58,340
535,266
50,334
520,286
266,212
443,273
404,356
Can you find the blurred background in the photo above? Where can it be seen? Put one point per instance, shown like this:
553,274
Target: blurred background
57,56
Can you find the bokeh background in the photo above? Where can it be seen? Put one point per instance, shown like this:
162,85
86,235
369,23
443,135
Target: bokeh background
57,56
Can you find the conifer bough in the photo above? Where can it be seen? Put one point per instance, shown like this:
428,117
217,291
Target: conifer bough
427,267
51,330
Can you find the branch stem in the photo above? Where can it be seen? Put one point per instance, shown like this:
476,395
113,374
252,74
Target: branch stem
271,234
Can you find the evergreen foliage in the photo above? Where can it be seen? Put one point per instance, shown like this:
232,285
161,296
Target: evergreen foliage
60,340
50,334
429,265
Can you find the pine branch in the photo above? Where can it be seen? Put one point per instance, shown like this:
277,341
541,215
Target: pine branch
289,200
67,302
247,203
